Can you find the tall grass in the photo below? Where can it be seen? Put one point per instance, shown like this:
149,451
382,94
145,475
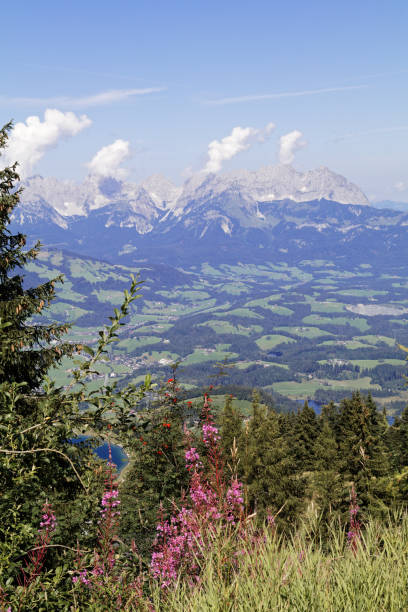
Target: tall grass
301,574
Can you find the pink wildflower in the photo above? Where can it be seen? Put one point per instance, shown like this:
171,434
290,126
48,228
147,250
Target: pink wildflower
192,459
104,558
182,539
82,577
49,522
36,557
106,500
210,434
235,501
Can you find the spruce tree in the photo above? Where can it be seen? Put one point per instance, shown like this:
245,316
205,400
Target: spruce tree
379,464
327,481
271,481
330,412
394,443
27,349
362,447
402,443
305,432
230,428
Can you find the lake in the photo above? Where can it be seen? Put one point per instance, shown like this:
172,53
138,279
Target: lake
119,457
318,409
312,404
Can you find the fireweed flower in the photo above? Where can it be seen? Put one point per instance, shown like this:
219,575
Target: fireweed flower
235,501
35,558
82,577
181,540
270,519
49,522
104,556
210,434
192,459
109,501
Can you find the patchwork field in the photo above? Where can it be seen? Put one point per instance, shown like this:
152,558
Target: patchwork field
293,330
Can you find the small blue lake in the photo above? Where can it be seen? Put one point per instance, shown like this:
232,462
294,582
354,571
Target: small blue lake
119,457
318,409
312,404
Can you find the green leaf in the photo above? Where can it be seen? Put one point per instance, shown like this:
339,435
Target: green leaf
88,350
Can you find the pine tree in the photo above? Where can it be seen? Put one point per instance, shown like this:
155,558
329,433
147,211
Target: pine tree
402,425
270,477
26,351
230,428
394,443
305,432
327,481
362,447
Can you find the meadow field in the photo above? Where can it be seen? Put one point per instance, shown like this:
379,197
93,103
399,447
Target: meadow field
293,329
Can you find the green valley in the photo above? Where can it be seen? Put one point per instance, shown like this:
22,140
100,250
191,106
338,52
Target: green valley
291,336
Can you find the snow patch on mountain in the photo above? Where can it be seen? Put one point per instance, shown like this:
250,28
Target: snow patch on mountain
161,190
281,182
37,212
234,196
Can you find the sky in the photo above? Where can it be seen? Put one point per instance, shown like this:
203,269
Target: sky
137,87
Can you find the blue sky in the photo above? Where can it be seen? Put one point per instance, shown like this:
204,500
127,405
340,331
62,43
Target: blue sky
168,78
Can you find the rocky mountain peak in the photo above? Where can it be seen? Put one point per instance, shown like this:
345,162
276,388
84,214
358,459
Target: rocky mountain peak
232,197
161,190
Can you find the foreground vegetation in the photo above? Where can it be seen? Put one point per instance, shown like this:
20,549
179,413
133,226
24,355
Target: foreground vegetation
217,510
259,572
303,575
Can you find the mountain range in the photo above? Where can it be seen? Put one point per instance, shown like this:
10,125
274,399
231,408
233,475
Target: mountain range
246,215
270,183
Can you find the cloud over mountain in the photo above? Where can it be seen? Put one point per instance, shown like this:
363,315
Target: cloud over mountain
288,145
239,140
107,161
29,141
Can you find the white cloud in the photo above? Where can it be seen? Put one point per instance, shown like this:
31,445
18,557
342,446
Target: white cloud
99,99
400,186
29,141
288,145
284,94
239,140
266,132
107,160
